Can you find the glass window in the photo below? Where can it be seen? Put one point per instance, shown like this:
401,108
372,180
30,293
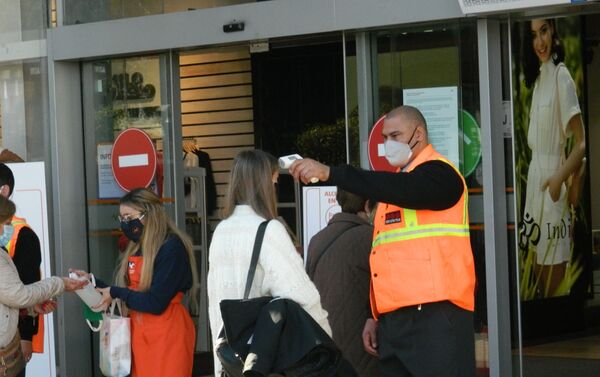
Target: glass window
24,116
306,115
23,20
83,11
120,94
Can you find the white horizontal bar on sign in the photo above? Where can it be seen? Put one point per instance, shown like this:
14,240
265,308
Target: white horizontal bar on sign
133,160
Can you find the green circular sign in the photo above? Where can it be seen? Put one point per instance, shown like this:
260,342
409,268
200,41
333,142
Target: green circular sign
471,143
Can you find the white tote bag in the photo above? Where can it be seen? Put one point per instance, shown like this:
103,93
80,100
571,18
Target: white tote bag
115,343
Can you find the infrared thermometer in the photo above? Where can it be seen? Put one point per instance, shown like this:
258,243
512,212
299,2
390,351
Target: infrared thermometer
286,161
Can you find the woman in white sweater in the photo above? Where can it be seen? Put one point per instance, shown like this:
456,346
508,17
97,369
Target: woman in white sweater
251,199
14,295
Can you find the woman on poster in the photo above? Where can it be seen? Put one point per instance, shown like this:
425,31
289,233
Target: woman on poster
555,173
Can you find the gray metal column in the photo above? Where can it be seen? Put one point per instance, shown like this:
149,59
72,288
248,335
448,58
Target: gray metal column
69,212
365,84
494,198
175,142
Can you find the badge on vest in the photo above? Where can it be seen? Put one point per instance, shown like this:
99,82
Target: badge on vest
393,217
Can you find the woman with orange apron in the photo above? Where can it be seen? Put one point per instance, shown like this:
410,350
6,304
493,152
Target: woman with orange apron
162,344
157,268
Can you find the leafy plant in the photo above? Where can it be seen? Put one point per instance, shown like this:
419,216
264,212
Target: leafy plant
327,142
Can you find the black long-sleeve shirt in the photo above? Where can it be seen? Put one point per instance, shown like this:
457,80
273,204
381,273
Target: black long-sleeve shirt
27,258
172,274
432,185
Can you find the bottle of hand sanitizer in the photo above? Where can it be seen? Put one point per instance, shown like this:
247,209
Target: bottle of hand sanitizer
88,293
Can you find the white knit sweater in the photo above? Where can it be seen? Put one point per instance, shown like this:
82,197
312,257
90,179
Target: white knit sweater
279,273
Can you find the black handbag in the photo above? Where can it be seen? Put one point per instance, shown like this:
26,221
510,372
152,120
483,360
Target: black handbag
239,318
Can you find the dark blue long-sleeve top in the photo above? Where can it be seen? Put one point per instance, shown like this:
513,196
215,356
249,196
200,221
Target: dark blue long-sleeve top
172,274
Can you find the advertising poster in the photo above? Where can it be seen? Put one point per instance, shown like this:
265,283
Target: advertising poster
548,132
318,207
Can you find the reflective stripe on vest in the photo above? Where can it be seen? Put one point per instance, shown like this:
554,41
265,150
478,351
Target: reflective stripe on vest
413,230
421,231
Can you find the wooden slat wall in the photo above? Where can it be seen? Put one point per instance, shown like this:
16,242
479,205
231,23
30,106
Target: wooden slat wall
216,107
53,13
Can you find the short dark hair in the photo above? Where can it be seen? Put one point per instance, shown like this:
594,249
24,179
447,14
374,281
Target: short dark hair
530,61
350,203
7,178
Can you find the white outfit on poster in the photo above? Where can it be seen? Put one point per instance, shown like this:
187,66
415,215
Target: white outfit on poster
553,104
279,272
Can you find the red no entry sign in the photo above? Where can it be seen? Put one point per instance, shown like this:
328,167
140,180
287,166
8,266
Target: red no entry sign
376,150
133,159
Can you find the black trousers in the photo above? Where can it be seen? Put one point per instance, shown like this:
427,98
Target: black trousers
431,340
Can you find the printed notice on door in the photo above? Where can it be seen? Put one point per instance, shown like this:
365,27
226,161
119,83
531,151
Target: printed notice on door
107,186
440,109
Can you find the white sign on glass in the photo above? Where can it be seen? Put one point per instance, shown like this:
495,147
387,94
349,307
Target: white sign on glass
439,106
107,186
318,207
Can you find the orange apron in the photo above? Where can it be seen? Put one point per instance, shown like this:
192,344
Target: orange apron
162,345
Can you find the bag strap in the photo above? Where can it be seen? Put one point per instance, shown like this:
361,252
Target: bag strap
309,263
115,303
92,327
260,234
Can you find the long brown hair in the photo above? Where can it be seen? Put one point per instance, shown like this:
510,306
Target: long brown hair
251,183
157,226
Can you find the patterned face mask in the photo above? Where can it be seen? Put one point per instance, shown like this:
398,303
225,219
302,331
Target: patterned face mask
132,229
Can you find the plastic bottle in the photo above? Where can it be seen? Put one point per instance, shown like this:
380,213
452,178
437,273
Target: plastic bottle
88,293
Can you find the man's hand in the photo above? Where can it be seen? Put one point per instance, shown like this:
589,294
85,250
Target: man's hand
369,336
27,349
306,169
45,307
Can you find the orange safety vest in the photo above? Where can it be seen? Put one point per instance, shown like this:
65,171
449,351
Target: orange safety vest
422,256
18,223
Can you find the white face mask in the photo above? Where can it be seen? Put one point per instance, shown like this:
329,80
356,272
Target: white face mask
398,154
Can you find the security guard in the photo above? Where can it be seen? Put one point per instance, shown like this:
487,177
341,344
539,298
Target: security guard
422,270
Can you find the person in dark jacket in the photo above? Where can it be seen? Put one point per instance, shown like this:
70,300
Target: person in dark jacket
338,264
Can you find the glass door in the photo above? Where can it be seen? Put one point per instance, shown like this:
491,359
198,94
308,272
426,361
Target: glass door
121,94
435,68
